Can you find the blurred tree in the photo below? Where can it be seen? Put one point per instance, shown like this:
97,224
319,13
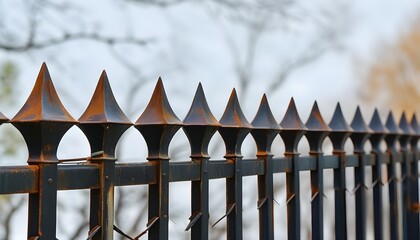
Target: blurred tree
393,79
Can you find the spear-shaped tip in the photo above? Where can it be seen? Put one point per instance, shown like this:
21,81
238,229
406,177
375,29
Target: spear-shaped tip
291,120
3,118
264,118
376,123
358,124
415,124
338,122
404,126
233,115
315,121
200,113
390,124
43,104
158,111
103,108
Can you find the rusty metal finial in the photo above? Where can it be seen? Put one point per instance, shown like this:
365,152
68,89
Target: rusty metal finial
393,131
234,127
318,130
407,131
200,124
265,128
361,131
43,120
378,129
340,130
103,121
292,128
416,128
158,124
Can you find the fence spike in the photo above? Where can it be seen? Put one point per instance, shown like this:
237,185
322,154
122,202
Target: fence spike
292,128
229,211
3,119
407,131
317,129
103,121
264,127
193,219
158,123
93,232
416,130
235,127
200,124
340,130
393,133
361,131
378,129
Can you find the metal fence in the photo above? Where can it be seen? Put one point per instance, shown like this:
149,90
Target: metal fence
43,121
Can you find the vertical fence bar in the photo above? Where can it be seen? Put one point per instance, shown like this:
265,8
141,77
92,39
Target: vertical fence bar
234,129
404,139
415,205
265,129
359,137
340,131
158,124
376,139
317,132
43,121
292,131
103,123
391,138
200,126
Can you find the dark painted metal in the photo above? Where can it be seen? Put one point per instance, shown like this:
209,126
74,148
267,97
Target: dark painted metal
359,136
200,126
103,123
43,121
158,124
391,139
318,130
234,129
414,190
376,139
292,131
340,131
404,140
265,129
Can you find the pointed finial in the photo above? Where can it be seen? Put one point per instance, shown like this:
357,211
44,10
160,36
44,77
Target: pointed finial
361,131
340,130
158,124
265,128
416,128
234,127
43,104
200,124
3,119
292,128
103,121
43,120
317,129
393,131
379,130
407,132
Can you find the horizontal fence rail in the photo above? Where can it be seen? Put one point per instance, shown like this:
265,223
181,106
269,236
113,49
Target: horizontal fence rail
43,121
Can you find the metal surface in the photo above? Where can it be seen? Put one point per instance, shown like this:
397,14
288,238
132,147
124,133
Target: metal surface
43,121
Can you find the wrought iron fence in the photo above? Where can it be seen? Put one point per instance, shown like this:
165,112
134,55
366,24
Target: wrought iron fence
43,121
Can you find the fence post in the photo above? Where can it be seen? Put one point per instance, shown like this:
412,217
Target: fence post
292,131
234,129
340,131
43,121
391,138
317,132
404,140
103,123
158,124
200,126
376,138
265,129
359,136
415,206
